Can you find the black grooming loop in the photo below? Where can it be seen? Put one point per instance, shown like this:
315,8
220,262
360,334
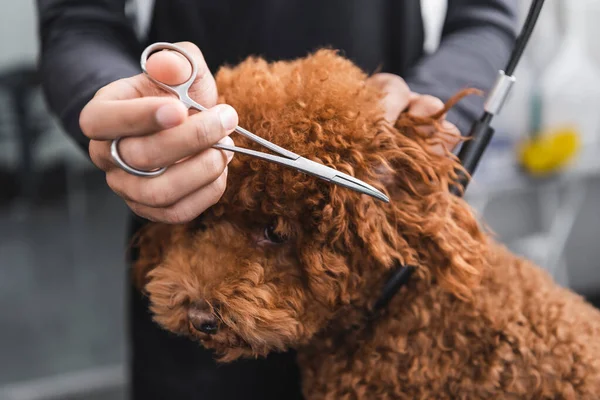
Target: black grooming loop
481,133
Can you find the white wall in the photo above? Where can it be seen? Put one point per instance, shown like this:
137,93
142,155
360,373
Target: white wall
18,32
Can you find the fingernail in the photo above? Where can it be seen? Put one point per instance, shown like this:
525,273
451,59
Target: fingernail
228,116
168,115
228,141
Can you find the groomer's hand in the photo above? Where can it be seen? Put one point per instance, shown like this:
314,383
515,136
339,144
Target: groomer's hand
398,94
399,98
157,131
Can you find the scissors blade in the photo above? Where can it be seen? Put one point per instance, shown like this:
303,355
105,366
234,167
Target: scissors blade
312,168
339,178
259,154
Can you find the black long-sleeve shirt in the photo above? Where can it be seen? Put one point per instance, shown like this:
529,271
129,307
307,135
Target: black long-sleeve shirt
85,44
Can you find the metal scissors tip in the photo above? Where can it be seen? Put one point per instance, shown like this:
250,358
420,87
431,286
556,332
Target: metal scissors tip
355,184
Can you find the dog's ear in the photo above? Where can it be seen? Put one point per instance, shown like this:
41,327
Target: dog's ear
447,243
424,225
147,249
361,243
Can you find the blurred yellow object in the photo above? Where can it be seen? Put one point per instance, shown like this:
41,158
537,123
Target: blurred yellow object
549,152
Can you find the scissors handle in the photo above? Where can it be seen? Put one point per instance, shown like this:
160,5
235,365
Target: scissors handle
182,92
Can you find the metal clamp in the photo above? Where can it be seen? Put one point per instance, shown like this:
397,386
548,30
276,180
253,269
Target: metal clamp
499,93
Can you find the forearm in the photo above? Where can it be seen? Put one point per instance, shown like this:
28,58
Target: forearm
477,41
85,45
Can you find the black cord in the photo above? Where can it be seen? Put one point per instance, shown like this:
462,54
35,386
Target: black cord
470,154
523,39
481,132
398,279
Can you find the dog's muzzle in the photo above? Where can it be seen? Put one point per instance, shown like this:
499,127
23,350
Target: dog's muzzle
202,318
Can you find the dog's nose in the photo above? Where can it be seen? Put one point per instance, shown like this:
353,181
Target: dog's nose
202,318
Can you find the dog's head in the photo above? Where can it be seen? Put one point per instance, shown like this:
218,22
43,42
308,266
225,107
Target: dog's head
283,254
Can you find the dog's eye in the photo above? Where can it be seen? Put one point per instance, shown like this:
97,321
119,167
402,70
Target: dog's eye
273,236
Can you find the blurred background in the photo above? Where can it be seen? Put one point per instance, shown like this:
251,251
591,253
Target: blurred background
62,231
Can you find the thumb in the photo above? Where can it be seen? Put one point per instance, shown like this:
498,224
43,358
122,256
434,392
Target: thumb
172,68
169,67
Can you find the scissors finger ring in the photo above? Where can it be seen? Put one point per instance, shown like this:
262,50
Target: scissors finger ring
114,152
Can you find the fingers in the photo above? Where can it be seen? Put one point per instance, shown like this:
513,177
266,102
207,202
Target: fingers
425,106
397,94
164,148
188,208
110,119
100,155
179,181
449,138
167,147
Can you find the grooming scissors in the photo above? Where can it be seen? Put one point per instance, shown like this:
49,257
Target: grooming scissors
285,158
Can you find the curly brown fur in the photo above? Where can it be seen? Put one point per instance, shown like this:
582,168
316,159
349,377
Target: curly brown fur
285,260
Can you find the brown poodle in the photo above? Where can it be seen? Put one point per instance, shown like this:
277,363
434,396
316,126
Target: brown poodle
285,260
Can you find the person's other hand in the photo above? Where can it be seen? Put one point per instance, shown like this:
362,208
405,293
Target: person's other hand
397,94
399,98
158,131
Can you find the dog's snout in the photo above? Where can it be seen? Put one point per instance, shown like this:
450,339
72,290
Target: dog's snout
202,318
